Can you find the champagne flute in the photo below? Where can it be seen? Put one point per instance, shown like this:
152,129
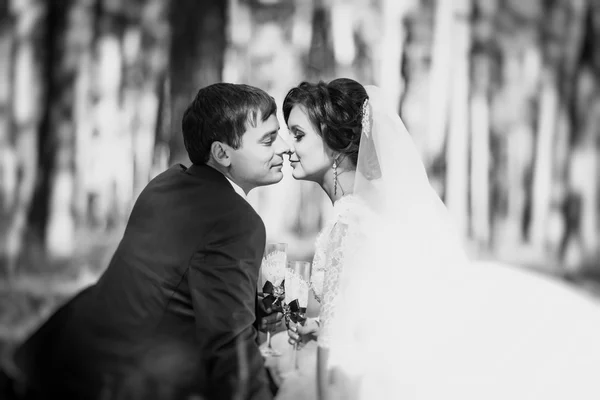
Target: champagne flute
272,273
296,295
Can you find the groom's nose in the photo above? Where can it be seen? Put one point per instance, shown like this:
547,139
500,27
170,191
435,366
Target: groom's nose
281,146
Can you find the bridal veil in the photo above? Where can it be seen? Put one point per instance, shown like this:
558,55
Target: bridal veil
417,320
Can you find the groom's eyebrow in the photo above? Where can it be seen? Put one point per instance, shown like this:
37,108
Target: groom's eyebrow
269,134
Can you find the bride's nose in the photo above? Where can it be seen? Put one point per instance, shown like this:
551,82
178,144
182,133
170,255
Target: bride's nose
282,146
292,150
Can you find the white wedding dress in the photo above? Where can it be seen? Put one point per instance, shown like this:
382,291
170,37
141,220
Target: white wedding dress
406,315
330,252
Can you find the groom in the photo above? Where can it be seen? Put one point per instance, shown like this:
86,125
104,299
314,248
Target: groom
185,273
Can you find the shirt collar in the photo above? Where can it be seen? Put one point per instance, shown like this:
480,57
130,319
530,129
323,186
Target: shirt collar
237,188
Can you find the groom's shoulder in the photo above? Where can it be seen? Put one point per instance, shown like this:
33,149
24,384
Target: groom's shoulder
170,174
188,180
202,188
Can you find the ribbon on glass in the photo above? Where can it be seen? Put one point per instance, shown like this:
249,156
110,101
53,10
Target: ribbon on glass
295,313
273,295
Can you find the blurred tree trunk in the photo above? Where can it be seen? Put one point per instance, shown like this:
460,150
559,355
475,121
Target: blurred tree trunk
8,168
521,73
197,58
356,31
27,112
69,38
417,72
83,107
581,204
572,15
343,21
321,63
551,117
482,58
7,157
392,43
109,181
160,159
439,80
513,121
239,34
365,43
579,245
457,159
542,172
147,59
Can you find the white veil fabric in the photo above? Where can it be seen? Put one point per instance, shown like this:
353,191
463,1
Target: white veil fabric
417,320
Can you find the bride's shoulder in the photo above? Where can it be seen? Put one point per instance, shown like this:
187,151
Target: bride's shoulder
350,207
348,203
349,212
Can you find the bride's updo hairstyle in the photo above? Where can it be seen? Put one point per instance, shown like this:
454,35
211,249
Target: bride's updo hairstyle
335,110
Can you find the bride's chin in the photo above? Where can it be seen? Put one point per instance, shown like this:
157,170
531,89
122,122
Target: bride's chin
297,176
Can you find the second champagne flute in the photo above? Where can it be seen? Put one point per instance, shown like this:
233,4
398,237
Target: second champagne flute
296,295
272,274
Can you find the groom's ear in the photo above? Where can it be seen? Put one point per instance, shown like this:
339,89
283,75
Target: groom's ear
220,152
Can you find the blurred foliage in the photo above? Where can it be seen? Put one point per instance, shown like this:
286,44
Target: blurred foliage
502,98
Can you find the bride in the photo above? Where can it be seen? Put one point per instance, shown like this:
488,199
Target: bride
324,121
403,313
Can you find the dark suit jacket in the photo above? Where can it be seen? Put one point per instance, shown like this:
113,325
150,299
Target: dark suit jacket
185,273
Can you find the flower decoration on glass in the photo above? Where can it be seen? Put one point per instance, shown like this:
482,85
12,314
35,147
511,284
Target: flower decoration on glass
296,297
273,275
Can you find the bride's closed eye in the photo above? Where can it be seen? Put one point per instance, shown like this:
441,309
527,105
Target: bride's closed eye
297,135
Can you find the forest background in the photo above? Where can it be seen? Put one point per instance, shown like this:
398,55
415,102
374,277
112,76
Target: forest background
502,98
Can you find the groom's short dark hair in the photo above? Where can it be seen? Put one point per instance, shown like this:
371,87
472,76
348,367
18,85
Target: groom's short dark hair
222,112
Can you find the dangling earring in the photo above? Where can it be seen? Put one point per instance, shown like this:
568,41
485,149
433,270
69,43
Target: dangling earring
335,177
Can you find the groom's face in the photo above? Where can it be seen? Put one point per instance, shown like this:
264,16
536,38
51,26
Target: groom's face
259,160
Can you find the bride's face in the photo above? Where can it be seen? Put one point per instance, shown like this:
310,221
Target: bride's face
311,158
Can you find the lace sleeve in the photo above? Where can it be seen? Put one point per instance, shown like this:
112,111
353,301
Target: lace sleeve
333,267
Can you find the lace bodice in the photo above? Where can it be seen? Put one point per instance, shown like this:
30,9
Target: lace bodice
328,261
